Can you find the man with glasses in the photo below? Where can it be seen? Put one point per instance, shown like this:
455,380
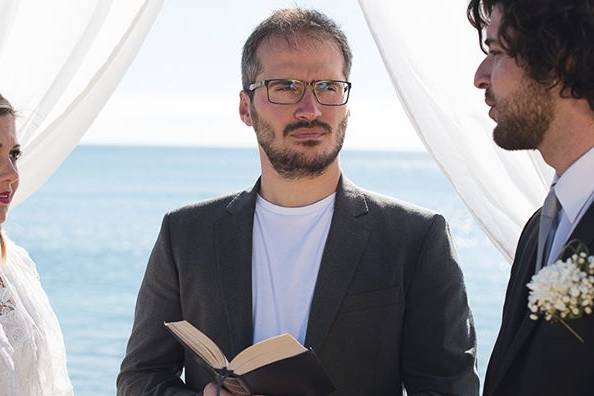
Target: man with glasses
369,283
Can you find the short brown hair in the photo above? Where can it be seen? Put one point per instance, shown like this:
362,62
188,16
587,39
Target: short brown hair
290,23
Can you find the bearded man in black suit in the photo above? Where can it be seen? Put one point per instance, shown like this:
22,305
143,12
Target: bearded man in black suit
538,78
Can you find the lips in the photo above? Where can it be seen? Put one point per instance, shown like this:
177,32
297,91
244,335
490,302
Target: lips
5,197
307,127
308,134
491,104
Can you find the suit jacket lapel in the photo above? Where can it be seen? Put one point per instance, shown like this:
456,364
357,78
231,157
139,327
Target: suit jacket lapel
345,243
583,232
516,323
233,245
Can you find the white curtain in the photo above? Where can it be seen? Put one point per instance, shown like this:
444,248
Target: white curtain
431,53
60,61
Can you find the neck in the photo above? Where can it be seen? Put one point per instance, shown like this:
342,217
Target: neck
298,192
565,142
563,157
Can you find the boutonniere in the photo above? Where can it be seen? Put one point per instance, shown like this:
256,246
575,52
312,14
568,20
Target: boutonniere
564,290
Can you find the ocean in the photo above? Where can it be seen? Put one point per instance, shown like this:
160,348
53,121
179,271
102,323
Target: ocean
91,227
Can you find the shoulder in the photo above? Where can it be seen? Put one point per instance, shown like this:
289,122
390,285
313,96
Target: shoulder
386,203
399,213
529,231
17,255
212,206
204,213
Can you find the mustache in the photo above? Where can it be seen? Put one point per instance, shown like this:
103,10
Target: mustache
307,124
489,96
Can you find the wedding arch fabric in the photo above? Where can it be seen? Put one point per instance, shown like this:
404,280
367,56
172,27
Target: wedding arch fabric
60,61
431,53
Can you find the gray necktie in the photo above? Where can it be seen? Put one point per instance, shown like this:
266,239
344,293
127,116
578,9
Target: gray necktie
549,220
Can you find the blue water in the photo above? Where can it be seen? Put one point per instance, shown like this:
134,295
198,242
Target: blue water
90,229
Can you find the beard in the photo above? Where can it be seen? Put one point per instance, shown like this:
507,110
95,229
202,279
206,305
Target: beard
292,164
523,117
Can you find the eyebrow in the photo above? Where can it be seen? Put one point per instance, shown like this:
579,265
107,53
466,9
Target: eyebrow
16,146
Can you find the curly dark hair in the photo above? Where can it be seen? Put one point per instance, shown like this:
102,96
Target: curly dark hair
553,40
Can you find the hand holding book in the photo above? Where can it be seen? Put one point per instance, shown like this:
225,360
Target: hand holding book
277,366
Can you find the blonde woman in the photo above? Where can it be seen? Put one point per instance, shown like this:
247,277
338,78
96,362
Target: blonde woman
32,354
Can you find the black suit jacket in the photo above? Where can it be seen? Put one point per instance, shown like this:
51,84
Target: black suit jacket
533,358
389,306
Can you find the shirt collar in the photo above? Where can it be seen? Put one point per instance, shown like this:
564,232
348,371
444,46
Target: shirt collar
573,188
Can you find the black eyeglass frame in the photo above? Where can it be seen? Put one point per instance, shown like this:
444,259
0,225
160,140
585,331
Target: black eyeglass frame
264,83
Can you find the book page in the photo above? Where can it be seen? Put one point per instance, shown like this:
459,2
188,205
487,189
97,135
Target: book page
264,352
198,342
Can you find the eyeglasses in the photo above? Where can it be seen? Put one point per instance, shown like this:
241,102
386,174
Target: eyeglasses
288,92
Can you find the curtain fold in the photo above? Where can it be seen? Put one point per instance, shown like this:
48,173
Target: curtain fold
60,61
431,52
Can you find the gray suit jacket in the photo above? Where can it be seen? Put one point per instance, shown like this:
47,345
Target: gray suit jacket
389,307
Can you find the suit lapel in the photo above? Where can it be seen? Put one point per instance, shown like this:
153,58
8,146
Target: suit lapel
233,245
516,323
583,232
345,244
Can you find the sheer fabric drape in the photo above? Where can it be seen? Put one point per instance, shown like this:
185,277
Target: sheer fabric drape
60,61
431,53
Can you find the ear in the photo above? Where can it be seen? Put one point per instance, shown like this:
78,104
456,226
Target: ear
244,108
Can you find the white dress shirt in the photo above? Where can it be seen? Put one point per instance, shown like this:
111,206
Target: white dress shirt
575,191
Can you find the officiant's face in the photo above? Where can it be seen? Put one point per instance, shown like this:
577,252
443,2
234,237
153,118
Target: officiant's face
521,107
9,153
301,139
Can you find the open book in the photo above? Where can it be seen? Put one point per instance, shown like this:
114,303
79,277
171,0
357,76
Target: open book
276,366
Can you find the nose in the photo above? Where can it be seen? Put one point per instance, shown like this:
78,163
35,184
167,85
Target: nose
482,77
8,171
308,108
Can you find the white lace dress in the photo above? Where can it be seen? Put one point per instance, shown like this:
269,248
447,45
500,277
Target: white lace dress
32,354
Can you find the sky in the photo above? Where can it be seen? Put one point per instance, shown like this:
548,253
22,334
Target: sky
183,87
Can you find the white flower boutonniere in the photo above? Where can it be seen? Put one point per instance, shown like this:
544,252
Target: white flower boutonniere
564,290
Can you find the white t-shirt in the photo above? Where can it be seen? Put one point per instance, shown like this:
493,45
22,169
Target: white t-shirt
287,249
